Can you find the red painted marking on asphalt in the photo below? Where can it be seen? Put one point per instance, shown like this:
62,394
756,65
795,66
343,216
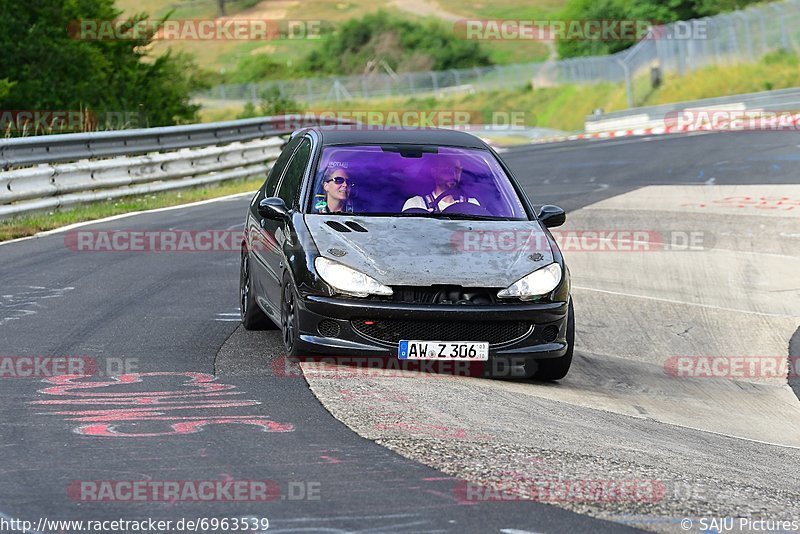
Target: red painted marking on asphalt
123,407
67,385
124,401
188,427
331,460
143,413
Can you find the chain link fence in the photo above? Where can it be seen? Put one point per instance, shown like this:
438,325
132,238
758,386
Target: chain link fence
679,47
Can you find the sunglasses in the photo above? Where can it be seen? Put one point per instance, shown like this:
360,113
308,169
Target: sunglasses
340,180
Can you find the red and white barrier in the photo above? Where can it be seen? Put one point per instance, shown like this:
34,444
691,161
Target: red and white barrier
699,121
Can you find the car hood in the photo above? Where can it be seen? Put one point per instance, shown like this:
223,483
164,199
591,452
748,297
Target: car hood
417,251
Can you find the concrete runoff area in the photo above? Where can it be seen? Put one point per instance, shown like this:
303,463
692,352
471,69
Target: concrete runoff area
720,439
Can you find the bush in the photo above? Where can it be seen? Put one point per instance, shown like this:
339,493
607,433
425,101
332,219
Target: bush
272,103
376,39
257,68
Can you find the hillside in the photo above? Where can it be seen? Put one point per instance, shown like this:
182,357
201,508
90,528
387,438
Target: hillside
223,56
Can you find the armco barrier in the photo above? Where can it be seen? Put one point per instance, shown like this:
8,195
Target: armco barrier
783,100
73,168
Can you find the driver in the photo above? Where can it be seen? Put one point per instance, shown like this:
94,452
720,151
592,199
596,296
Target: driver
447,178
338,188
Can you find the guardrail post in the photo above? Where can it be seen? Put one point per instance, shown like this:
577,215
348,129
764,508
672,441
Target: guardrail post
457,76
628,83
309,98
747,36
762,24
782,21
715,40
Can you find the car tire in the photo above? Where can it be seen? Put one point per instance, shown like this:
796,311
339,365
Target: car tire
253,317
557,368
290,329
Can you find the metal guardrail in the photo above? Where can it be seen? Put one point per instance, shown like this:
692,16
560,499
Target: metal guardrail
51,171
784,100
71,147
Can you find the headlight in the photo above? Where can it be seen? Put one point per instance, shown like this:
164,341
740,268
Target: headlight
347,280
536,284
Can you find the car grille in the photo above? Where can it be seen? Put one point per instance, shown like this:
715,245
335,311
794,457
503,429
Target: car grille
393,330
444,294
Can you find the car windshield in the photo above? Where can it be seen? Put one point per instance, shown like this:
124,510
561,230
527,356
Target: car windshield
414,181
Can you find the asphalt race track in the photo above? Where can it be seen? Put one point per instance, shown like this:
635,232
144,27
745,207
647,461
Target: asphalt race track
200,399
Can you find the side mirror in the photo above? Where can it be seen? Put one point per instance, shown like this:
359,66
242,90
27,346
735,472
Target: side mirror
552,216
273,208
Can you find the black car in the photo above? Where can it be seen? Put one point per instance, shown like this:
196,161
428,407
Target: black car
406,244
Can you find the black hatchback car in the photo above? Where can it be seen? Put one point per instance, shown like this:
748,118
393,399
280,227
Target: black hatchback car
413,244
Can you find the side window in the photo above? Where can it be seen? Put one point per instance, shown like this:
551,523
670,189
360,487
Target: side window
275,172
289,189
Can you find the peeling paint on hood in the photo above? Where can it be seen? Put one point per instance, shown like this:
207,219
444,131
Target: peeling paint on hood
418,251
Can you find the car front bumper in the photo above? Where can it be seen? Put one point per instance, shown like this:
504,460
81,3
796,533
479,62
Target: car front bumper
348,341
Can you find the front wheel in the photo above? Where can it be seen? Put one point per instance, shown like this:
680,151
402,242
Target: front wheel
253,317
557,368
289,317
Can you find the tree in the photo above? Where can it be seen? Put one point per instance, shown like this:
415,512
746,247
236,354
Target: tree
655,11
5,88
50,55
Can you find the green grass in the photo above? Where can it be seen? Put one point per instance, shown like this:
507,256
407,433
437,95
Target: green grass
505,9
26,225
775,71
565,107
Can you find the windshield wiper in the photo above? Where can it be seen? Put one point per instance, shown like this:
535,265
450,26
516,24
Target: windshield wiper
468,217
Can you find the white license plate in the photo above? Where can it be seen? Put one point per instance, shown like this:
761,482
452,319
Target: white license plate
443,350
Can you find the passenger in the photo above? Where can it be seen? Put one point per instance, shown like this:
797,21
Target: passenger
446,175
337,186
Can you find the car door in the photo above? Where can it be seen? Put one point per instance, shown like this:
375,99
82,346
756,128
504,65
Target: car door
261,242
289,191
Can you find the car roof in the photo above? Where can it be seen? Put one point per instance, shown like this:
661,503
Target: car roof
415,136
